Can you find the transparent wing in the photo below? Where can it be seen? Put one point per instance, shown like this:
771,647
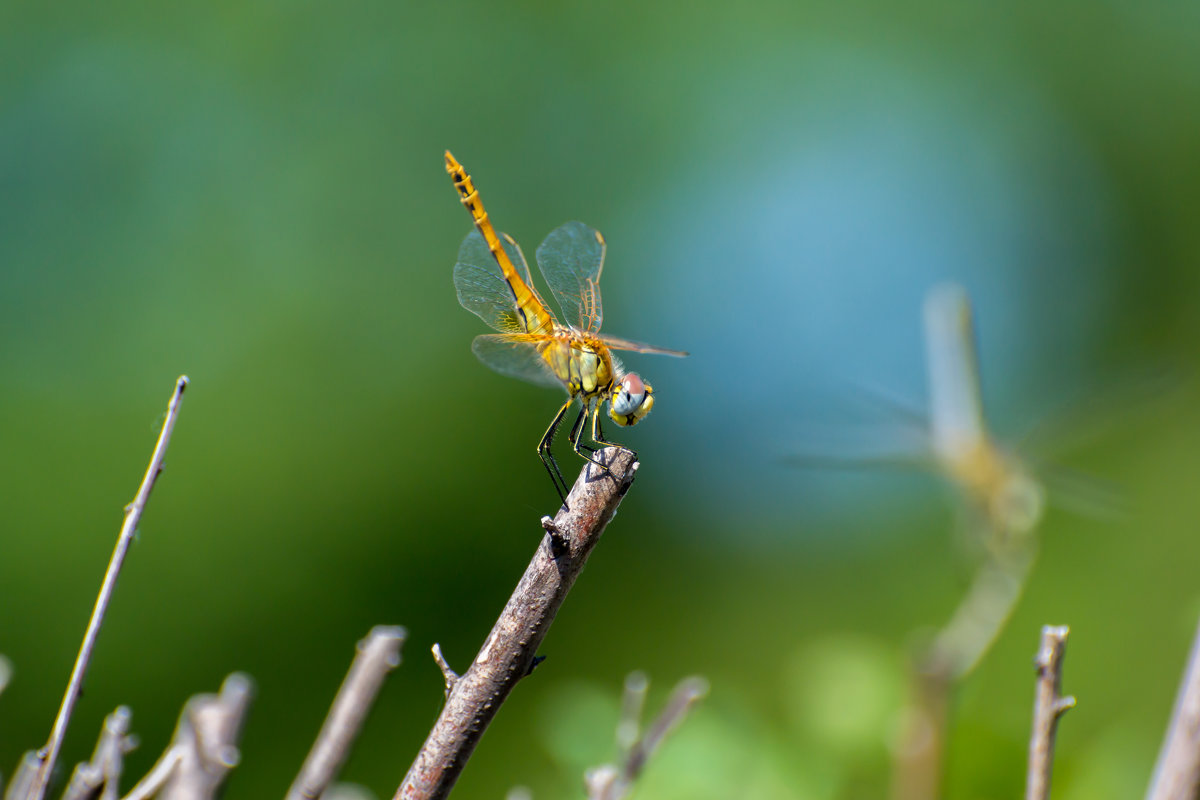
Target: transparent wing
515,355
955,402
481,286
571,258
637,347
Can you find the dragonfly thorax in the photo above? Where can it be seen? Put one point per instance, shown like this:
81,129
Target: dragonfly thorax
584,365
1009,496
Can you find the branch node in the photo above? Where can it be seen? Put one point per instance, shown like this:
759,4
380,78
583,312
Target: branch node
534,664
558,540
1064,705
449,675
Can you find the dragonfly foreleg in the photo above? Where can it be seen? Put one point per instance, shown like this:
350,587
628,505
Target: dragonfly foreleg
547,455
581,449
598,433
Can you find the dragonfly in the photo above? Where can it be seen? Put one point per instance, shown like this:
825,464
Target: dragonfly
1001,496
492,281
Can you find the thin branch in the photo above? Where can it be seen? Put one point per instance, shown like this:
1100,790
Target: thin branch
1048,705
917,753
5,672
615,783
633,700
100,778
204,747
378,655
22,779
448,675
1177,773
508,653
133,514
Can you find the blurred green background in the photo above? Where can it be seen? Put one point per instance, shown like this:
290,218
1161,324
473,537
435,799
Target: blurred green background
254,195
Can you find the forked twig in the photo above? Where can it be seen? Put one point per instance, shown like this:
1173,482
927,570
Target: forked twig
611,782
1048,705
100,778
133,514
204,747
1177,773
509,652
378,655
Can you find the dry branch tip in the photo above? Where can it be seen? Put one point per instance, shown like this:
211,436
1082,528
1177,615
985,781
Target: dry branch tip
448,674
375,656
1048,706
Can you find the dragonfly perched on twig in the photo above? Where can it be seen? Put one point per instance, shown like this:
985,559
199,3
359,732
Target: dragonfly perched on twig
493,282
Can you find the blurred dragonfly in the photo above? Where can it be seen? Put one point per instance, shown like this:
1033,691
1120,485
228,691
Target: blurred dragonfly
493,282
1002,496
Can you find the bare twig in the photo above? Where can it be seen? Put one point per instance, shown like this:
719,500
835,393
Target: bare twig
378,654
1048,705
917,753
204,747
614,783
133,514
5,672
1177,773
22,779
633,700
100,778
509,651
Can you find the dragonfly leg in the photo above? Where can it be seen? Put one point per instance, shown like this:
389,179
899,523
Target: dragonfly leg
598,433
577,431
577,434
547,455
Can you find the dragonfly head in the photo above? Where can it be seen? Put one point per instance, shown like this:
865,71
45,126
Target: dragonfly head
631,399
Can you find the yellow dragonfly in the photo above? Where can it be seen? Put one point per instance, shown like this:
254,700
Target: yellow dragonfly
493,282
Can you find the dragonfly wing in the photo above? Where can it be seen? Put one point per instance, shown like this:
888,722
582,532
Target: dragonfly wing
516,356
615,343
481,286
571,259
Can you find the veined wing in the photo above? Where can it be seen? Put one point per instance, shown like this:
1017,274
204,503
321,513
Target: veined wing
515,355
615,343
571,259
484,291
955,401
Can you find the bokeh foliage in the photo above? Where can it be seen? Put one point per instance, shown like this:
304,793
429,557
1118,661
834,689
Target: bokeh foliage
254,195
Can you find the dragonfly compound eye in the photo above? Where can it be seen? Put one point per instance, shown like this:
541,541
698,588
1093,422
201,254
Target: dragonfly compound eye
631,400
